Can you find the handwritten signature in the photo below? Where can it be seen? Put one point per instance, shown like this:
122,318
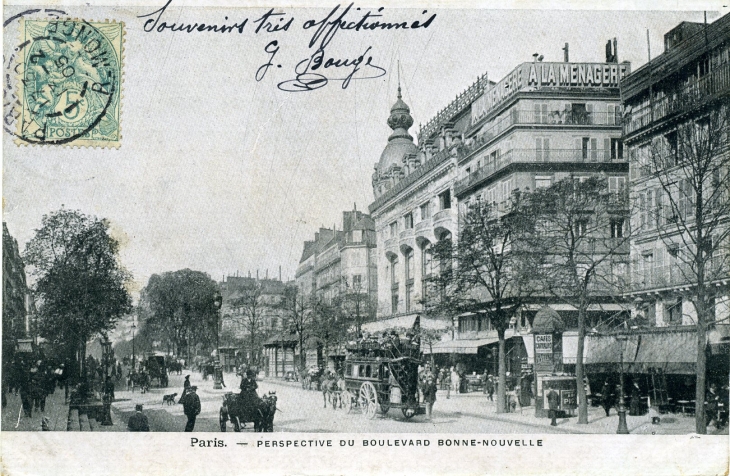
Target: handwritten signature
310,71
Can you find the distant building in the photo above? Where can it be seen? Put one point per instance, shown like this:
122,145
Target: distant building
253,303
339,263
338,268
15,292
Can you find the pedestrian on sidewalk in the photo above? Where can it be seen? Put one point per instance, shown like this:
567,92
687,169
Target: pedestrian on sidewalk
37,390
635,405
26,397
455,380
553,400
191,407
138,421
429,395
186,389
489,388
607,398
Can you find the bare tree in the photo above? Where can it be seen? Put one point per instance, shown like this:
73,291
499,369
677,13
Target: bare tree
299,318
491,267
330,324
358,305
686,198
582,230
250,311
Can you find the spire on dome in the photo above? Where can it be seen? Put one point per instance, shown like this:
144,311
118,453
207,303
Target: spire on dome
400,116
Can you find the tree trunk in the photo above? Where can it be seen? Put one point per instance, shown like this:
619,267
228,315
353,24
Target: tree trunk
252,355
579,368
83,355
502,387
700,423
302,354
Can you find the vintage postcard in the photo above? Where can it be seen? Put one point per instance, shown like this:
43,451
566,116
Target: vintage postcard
365,238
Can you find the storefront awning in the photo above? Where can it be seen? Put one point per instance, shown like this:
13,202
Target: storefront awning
460,346
672,352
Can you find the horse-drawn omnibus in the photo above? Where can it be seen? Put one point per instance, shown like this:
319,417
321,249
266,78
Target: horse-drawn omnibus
380,376
157,369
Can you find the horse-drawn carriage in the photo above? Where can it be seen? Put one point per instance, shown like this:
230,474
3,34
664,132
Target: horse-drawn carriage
240,410
156,369
380,376
312,378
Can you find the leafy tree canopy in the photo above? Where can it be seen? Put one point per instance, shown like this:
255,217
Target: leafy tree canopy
80,286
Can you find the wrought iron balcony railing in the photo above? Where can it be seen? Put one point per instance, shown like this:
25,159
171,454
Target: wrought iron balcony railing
683,99
535,156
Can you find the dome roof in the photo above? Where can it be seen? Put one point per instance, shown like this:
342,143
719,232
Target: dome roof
395,151
400,142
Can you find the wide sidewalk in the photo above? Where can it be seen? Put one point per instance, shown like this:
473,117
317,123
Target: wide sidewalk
476,404
57,413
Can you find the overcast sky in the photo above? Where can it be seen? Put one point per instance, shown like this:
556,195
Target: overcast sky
218,172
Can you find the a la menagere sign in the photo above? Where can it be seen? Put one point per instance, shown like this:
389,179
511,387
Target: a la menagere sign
548,75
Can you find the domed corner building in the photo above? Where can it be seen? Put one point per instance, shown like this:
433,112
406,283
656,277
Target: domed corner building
414,206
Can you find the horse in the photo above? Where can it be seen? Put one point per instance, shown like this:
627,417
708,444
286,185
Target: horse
259,411
332,388
328,386
174,367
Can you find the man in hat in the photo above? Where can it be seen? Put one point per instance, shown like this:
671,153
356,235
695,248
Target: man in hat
553,402
429,394
186,389
191,407
138,421
607,397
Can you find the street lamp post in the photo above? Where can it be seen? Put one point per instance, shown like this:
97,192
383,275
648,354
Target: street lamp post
218,379
107,353
134,357
623,429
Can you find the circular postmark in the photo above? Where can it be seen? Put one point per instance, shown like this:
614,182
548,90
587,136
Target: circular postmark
70,82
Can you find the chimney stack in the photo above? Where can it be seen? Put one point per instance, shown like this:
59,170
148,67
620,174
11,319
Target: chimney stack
566,56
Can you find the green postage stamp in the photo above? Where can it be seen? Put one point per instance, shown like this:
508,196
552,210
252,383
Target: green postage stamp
70,83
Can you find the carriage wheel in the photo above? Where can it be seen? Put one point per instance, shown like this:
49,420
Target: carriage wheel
408,412
368,400
348,400
222,418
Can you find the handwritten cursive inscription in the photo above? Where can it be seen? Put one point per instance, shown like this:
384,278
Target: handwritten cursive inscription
155,24
310,71
328,27
317,70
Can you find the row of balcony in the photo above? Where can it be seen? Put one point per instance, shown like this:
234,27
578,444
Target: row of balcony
677,275
683,99
554,117
536,156
515,117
